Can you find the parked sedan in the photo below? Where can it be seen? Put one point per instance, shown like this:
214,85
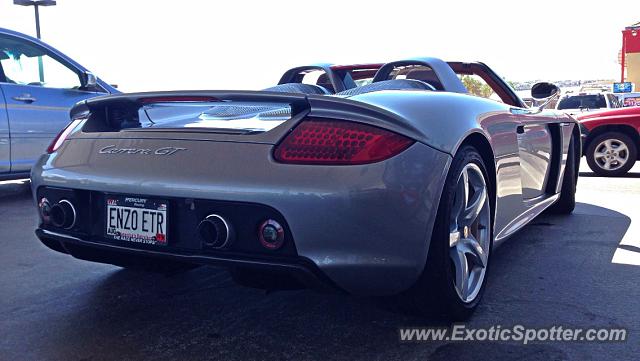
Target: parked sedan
38,87
611,140
401,186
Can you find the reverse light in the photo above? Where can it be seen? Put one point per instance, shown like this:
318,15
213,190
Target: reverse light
336,142
62,136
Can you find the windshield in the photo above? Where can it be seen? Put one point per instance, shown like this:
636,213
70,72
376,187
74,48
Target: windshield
593,101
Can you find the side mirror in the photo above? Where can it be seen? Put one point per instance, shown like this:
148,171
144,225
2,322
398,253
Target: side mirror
541,91
89,81
545,92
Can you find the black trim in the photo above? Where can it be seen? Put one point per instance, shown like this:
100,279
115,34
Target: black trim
12,176
504,85
3,77
301,268
385,71
556,159
584,135
293,75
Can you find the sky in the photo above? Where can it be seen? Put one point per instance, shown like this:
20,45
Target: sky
145,45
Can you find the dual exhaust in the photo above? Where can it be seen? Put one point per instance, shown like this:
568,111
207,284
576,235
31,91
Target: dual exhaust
61,215
214,231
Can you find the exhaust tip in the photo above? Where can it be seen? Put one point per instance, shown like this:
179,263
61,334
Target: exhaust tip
215,232
63,214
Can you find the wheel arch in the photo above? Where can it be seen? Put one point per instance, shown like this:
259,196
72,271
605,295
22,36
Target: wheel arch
483,146
478,141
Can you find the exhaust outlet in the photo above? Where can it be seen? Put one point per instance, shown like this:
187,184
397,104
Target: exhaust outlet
215,232
63,214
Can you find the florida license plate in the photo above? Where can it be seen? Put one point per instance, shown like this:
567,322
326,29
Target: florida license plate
137,220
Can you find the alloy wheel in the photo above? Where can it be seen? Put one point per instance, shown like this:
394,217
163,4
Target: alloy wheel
611,154
470,236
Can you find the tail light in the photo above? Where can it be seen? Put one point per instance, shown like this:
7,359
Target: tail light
336,142
62,136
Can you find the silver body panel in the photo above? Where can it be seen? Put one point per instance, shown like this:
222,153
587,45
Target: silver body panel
388,206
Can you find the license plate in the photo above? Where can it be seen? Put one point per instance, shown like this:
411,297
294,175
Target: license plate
137,220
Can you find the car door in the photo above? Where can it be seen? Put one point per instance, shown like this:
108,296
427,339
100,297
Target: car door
39,89
5,150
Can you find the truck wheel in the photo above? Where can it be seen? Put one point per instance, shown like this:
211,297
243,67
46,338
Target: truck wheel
611,154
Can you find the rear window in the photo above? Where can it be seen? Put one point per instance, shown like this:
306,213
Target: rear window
592,101
362,76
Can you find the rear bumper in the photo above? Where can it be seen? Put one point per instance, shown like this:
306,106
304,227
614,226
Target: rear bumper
303,270
367,228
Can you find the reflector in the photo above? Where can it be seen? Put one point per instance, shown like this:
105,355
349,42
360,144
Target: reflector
336,142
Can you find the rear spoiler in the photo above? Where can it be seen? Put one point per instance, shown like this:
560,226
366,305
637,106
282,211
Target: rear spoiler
122,106
107,109
133,101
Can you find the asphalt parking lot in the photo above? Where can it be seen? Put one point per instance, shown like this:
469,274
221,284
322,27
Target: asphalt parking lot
579,271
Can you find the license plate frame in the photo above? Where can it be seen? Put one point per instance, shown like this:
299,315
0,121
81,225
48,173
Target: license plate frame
137,220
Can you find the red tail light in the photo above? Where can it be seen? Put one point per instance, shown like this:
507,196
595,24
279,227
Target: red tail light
62,136
178,99
335,142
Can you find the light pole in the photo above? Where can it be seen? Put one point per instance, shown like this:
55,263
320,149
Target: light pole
36,4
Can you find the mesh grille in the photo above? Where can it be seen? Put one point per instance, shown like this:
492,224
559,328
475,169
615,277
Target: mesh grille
225,111
396,84
298,88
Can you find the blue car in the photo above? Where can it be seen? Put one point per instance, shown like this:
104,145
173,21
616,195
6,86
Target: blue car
38,87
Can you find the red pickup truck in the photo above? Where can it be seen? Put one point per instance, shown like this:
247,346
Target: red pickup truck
611,139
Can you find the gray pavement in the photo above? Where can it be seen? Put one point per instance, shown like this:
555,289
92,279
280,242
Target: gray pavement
580,271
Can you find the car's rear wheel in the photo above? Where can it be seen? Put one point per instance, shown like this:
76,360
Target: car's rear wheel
611,154
455,275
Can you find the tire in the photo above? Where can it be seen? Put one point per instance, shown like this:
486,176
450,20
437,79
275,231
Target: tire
436,293
596,154
567,201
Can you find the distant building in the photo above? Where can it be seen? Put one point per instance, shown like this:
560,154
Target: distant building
630,55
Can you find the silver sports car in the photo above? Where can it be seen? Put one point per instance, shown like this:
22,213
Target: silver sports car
380,179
